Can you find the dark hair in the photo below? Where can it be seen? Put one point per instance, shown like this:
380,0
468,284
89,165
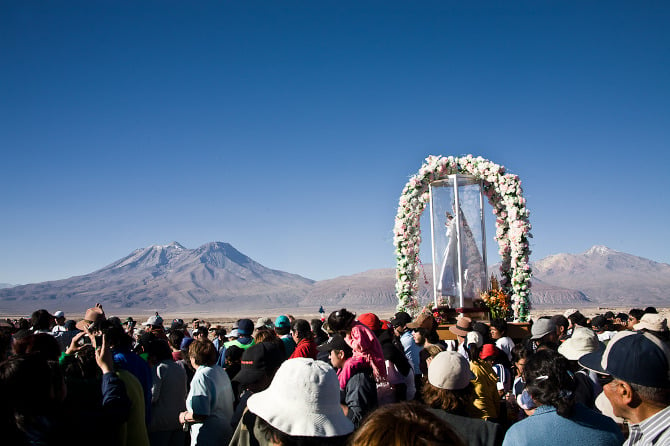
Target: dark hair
457,401
203,352
500,325
264,334
41,320
483,330
549,381
175,337
652,310
159,349
276,436
561,321
42,344
302,329
402,424
578,318
636,313
320,336
341,320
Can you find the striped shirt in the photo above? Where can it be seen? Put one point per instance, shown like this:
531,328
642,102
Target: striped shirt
655,430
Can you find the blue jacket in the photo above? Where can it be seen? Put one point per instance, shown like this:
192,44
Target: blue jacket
585,427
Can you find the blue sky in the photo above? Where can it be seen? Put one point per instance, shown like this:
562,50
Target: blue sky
289,128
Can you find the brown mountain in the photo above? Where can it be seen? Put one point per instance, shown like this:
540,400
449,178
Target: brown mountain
218,278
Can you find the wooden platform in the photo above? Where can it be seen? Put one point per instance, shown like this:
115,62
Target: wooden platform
515,330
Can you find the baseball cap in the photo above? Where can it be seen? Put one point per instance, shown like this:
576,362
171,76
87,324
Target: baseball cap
450,370
337,342
635,357
59,314
233,333
488,351
245,327
258,361
541,328
282,321
154,321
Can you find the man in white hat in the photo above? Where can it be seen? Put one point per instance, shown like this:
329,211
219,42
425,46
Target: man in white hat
59,317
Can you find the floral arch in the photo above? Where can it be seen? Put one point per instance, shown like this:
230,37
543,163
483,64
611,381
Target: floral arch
512,227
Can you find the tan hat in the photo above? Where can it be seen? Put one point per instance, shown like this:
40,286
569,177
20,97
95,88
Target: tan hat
582,341
463,326
92,315
653,322
449,370
424,320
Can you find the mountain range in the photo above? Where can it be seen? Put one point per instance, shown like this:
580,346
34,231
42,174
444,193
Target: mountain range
216,277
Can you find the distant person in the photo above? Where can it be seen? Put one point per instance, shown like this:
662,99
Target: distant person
209,404
283,330
305,347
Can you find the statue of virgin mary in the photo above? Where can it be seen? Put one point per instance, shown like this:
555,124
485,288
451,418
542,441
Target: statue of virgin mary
472,263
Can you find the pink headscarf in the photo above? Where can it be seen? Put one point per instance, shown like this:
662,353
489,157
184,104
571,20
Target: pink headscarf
367,350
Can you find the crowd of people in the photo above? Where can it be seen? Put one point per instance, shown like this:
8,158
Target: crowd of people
344,379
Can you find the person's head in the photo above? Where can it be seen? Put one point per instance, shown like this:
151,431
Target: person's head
424,320
399,322
473,343
650,310
519,356
419,335
462,328
634,316
202,352
562,325
41,320
59,317
599,324
449,385
550,382
300,329
282,325
498,329
581,342
579,319
302,402
637,370
320,336
265,335
154,323
158,350
490,353
483,329
174,338
245,327
543,332
405,423
371,321
259,363
200,332
338,349
341,321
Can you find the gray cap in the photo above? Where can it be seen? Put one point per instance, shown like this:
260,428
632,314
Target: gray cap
541,328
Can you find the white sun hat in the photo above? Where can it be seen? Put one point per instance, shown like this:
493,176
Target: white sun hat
303,400
582,341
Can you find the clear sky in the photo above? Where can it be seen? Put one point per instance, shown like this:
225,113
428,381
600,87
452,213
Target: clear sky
289,128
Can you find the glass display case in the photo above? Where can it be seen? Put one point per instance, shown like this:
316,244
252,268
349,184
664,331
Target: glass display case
458,240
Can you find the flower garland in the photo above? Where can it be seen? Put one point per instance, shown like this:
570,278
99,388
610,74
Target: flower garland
504,193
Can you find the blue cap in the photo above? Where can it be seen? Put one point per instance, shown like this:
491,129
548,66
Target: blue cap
634,357
185,343
282,321
245,327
